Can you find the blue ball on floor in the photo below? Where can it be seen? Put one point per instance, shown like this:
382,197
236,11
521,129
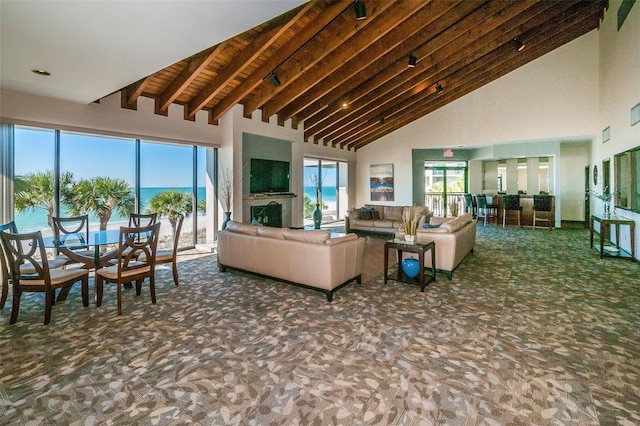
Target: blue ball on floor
411,267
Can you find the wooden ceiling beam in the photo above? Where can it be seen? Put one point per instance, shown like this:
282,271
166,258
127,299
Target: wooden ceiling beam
374,41
477,49
256,78
313,50
195,66
130,94
386,67
487,69
472,33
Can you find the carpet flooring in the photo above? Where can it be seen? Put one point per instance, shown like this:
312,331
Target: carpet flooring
534,328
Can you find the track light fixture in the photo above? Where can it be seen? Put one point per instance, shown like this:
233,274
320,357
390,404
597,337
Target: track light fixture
439,88
361,10
273,78
381,119
412,60
518,44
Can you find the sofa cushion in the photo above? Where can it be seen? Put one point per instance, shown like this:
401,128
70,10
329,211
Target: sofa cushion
387,224
354,213
392,213
269,232
242,228
341,239
457,223
307,236
438,230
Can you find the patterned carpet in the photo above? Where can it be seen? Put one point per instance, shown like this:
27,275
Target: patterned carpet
533,329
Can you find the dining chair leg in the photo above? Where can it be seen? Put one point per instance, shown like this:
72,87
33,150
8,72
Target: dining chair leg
99,288
49,301
175,273
64,292
152,289
85,291
15,306
5,294
138,287
119,292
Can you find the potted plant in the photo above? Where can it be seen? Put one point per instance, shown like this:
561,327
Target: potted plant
226,193
317,213
410,219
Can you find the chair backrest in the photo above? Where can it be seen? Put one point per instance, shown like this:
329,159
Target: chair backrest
511,202
138,242
176,237
481,201
77,226
542,203
468,200
4,261
14,245
138,219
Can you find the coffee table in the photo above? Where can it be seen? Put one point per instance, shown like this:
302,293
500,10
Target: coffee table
420,248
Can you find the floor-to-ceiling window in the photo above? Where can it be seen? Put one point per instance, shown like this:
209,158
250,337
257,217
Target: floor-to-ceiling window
445,184
34,158
64,173
325,183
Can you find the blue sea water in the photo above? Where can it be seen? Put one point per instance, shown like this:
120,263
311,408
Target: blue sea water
37,219
328,193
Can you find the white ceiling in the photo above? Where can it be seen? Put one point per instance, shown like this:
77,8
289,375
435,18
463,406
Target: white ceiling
93,48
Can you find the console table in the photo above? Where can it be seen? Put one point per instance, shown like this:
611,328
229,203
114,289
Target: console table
420,249
605,224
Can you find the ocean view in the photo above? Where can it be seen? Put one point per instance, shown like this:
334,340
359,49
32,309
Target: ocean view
37,219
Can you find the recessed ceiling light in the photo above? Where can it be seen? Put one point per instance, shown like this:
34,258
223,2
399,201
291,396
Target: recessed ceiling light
40,72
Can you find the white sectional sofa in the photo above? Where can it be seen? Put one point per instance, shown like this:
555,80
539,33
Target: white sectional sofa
454,238
380,218
310,258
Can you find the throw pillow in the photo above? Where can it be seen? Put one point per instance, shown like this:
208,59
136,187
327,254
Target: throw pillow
376,214
366,214
430,225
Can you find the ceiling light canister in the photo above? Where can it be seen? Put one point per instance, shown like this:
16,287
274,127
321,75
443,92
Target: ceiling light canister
361,10
40,71
412,60
518,44
273,78
439,88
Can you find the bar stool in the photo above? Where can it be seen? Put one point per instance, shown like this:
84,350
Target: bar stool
511,203
484,210
469,206
542,209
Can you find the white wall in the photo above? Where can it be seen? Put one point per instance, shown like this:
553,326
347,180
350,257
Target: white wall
552,98
619,91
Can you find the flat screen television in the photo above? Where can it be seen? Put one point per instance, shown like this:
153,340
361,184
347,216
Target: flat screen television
269,176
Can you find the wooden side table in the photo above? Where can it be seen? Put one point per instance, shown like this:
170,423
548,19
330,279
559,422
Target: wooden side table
420,248
616,221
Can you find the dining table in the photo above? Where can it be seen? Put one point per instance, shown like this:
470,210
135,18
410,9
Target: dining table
72,245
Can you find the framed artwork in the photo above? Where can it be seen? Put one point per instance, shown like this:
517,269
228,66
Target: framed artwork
381,182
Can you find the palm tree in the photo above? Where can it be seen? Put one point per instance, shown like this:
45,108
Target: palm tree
101,196
172,204
36,191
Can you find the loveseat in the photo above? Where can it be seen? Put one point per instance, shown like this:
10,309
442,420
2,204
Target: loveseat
309,258
380,218
454,238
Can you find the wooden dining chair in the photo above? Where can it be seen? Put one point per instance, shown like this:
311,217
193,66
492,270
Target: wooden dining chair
139,219
39,277
77,229
54,263
169,255
135,241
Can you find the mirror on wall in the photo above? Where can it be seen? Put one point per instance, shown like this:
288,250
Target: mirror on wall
627,180
530,175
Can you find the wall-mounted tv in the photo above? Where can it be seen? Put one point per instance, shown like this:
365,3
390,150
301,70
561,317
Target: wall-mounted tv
269,176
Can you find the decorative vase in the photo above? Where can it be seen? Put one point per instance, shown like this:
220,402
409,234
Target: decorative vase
227,218
411,267
607,208
409,238
317,217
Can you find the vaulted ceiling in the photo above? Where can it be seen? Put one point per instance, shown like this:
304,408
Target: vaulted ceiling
347,81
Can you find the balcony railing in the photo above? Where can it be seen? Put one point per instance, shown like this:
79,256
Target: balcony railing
453,205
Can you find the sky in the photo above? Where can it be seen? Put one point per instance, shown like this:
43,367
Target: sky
162,165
